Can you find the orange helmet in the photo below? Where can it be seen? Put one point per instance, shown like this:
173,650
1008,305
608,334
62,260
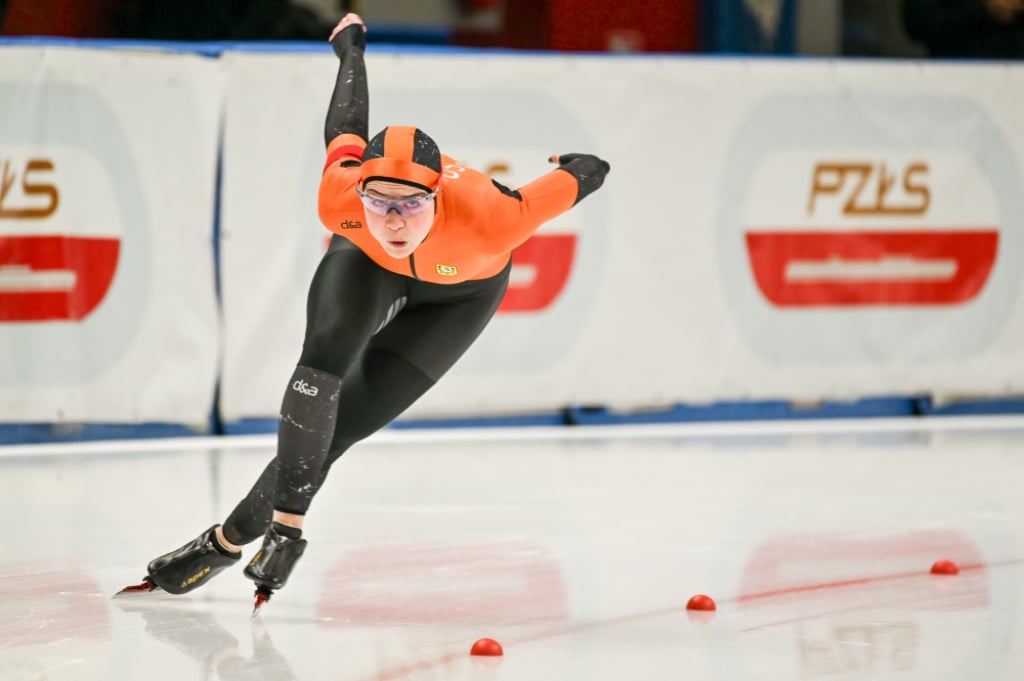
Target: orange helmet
402,154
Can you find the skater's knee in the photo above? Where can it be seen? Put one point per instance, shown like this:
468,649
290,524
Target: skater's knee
311,399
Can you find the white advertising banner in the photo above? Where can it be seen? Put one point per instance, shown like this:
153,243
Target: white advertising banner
770,229
107,292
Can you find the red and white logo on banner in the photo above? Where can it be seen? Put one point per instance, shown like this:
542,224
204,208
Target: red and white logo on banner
59,236
540,270
881,231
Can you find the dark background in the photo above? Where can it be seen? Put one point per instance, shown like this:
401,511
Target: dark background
855,28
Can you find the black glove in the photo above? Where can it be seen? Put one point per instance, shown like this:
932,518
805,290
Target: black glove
565,159
350,36
588,170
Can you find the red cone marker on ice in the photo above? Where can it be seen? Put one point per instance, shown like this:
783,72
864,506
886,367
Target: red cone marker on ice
701,602
487,646
700,609
945,567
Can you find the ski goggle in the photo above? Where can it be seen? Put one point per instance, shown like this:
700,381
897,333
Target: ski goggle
405,206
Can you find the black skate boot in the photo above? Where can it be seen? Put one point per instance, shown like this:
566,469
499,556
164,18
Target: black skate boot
272,564
188,567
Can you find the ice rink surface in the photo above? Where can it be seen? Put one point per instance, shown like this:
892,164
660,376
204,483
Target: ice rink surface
577,549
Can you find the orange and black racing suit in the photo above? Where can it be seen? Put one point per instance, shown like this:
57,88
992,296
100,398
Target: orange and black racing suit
381,331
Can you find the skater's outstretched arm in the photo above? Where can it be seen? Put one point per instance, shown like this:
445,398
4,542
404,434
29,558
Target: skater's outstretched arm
348,113
518,214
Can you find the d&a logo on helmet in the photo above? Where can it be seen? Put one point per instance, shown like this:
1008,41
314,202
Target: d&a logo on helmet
56,262
880,229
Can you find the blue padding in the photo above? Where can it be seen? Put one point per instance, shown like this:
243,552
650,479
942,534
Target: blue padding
269,425
34,433
876,407
250,426
979,407
750,411
554,419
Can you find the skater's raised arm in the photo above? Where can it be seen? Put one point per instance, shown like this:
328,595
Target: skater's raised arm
348,113
518,214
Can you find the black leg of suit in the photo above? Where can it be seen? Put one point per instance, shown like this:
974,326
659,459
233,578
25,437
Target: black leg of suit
388,338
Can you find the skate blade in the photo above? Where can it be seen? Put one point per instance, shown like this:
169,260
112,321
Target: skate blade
146,586
263,595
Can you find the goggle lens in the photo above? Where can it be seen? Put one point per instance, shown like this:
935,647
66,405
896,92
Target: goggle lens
405,206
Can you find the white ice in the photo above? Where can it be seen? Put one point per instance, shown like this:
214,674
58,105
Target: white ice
576,548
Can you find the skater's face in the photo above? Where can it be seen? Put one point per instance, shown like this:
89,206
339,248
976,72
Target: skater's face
409,214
